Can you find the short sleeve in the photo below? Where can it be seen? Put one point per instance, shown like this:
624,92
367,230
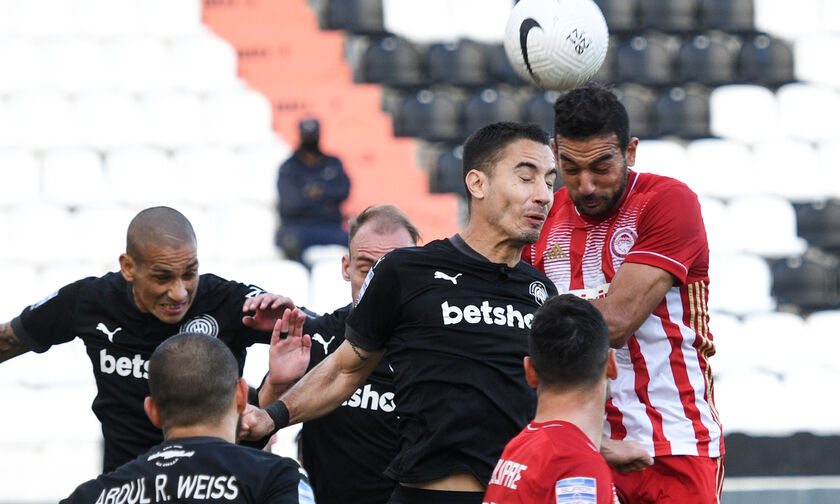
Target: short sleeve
671,232
49,321
289,486
582,476
371,323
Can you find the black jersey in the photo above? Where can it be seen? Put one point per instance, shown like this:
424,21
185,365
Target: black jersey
120,340
347,451
199,469
455,329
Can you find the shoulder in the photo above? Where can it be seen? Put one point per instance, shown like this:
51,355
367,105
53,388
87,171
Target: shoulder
209,282
663,188
329,322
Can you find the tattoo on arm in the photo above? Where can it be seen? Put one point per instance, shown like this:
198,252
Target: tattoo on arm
358,353
10,345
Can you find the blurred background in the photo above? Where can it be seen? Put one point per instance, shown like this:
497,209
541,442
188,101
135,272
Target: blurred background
111,106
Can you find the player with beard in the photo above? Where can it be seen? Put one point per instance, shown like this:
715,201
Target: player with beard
123,316
635,245
452,319
197,397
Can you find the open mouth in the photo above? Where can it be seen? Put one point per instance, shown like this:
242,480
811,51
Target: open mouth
173,309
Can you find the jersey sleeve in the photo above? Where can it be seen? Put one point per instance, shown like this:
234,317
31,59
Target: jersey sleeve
85,493
49,321
290,486
371,323
582,477
671,232
239,293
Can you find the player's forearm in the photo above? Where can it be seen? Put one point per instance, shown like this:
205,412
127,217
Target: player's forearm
271,393
620,321
320,391
10,345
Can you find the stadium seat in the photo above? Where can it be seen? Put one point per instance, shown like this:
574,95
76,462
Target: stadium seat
22,461
806,401
202,63
817,223
357,16
256,364
744,112
669,15
24,277
108,119
749,402
107,18
328,288
208,174
808,112
280,276
540,109
720,168
169,18
708,59
806,283
133,174
729,341
662,157
74,177
316,253
766,60
392,61
435,116
732,16
462,63
243,232
740,284
830,16
822,331
683,111
41,120
719,229
773,160
237,117
447,175
20,176
640,104
778,341
766,225
426,21
645,60
608,72
829,159
810,55
96,232
494,14
138,63
488,106
38,231
787,19
499,67
621,15
172,118
21,64
74,64
259,166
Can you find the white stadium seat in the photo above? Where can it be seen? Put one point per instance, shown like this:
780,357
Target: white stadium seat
39,233
134,175
779,341
109,119
787,19
138,63
829,159
24,277
740,284
169,18
744,112
206,174
75,63
202,63
237,117
20,63
20,176
748,402
172,118
328,288
244,231
41,119
765,225
773,161
810,53
719,229
720,168
259,166
728,338
74,176
807,111
99,232
662,157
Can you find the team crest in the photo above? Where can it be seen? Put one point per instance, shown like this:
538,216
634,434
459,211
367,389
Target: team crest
538,290
203,324
170,456
622,241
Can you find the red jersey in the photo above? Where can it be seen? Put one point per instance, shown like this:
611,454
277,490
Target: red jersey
551,462
663,395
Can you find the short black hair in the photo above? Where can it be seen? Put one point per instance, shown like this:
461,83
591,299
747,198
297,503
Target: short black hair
485,146
590,111
387,218
161,226
569,343
192,379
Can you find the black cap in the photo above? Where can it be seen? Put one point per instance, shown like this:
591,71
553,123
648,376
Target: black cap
309,126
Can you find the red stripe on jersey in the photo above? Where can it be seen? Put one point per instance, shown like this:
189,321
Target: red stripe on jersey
661,445
616,421
578,248
678,369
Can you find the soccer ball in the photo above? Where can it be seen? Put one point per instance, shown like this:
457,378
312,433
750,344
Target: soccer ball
556,44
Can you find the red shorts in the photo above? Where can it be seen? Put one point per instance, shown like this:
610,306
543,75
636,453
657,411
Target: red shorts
673,479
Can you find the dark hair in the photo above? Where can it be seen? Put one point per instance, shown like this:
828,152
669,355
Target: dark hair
485,146
387,218
192,379
159,226
569,343
591,110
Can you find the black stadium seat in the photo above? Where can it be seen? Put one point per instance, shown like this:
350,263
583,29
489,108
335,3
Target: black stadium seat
640,104
684,112
708,60
669,15
766,60
488,106
621,15
462,63
819,224
540,109
392,61
645,60
499,67
732,16
447,174
357,16
430,115
808,284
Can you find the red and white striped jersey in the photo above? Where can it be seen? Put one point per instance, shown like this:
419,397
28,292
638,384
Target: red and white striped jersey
663,396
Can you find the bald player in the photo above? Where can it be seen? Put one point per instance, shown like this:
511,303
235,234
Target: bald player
122,317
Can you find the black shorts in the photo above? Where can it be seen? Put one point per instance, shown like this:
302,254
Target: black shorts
408,495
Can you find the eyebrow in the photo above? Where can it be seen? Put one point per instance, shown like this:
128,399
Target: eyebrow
605,157
159,269
527,164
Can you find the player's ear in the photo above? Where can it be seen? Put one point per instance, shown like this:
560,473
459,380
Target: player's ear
127,267
612,367
476,182
345,267
241,395
630,154
530,373
152,412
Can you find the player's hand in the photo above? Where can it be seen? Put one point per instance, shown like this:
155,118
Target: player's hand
254,424
266,308
288,356
625,456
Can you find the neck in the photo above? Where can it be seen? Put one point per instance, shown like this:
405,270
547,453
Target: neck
489,243
582,407
224,430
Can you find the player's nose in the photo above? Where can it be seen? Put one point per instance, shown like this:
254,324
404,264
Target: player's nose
178,291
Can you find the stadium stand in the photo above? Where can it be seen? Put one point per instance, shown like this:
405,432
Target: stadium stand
110,97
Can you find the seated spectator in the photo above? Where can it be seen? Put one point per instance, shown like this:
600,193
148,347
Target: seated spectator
311,187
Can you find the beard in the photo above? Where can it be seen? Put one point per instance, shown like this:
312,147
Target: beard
610,202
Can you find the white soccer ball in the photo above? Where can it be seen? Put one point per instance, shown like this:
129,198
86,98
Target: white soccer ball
556,44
